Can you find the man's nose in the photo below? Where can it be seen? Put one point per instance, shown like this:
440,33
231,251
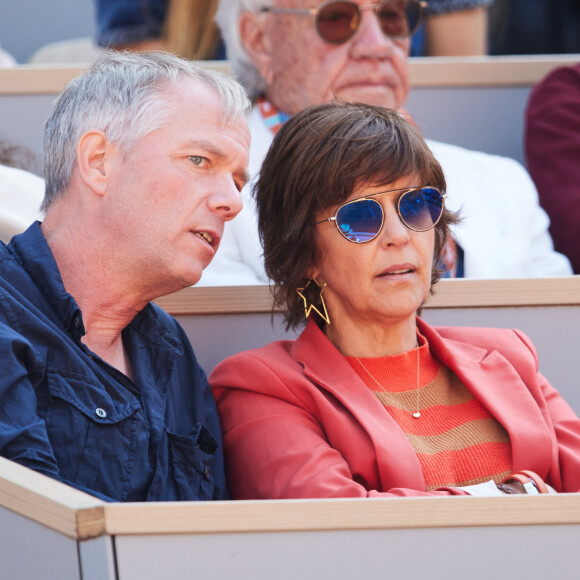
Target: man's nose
370,40
227,199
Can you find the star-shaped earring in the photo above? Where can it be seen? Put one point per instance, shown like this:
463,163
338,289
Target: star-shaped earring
309,308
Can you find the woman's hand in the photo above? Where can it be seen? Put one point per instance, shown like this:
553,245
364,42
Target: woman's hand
511,488
525,481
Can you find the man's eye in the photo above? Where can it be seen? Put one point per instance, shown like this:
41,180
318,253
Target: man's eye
197,159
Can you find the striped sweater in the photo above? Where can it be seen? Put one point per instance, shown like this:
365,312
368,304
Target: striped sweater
456,439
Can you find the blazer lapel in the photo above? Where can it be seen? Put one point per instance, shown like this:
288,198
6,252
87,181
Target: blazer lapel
325,366
496,384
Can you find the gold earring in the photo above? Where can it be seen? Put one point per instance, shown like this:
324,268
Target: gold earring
309,308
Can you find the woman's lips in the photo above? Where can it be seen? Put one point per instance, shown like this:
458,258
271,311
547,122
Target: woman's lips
398,270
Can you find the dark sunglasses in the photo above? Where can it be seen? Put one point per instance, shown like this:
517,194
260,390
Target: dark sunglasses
361,220
336,22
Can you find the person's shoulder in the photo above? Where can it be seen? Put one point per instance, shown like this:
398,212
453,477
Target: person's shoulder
462,165
11,269
21,194
168,324
512,343
476,334
454,154
276,350
20,180
560,88
269,358
564,77
5,253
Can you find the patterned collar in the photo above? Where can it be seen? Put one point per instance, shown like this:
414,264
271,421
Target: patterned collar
273,118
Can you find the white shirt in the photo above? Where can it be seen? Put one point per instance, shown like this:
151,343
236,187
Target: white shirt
21,194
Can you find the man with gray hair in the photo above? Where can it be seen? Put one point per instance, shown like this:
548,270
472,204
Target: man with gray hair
145,158
290,54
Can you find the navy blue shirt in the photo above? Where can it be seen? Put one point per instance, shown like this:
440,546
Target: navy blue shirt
70,415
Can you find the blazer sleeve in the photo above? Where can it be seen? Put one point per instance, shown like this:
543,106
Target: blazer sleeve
564,474
275,446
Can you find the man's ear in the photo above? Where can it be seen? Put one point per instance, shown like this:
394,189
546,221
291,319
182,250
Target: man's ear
93,153
257,43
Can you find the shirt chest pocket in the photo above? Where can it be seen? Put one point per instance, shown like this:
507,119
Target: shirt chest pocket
92,433
186,466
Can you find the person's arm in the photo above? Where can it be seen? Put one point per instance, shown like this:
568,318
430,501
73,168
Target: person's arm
23,435
552,146
565,476
275,447
460,33
529,239
543,260
567,429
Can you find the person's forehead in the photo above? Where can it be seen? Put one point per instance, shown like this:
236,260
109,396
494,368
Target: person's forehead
187,87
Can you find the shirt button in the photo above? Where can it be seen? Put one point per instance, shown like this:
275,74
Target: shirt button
100,412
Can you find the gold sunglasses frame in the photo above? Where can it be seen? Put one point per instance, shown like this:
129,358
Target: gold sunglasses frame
316,11
405,191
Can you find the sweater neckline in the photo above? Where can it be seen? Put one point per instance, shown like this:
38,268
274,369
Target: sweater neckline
397,373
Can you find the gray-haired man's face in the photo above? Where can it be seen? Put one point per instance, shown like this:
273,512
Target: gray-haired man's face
301,69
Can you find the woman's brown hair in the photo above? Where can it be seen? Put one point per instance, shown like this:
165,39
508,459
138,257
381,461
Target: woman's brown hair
316,161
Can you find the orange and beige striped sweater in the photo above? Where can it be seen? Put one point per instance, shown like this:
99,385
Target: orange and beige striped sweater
456,439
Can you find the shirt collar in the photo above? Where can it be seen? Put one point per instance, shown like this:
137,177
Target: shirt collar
273,118
34,254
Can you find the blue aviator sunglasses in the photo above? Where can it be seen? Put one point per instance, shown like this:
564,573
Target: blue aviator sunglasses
361,220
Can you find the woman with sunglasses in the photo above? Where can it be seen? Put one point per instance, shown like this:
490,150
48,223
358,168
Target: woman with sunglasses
370,400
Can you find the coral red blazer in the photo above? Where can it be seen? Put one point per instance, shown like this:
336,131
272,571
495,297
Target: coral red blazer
298,422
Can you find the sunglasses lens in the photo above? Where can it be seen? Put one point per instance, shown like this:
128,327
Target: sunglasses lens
360,221
421,209
399,18
337,21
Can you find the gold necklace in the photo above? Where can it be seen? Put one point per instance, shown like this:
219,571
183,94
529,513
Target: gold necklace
417,413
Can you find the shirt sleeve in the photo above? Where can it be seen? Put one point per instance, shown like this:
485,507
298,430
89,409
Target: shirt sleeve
533,224
552,144
23,435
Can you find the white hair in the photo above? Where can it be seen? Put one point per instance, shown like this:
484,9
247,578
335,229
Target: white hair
227,18
123,95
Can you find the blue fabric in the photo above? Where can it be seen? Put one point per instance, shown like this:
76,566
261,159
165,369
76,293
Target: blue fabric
535,27
127,21
68,414
121,22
